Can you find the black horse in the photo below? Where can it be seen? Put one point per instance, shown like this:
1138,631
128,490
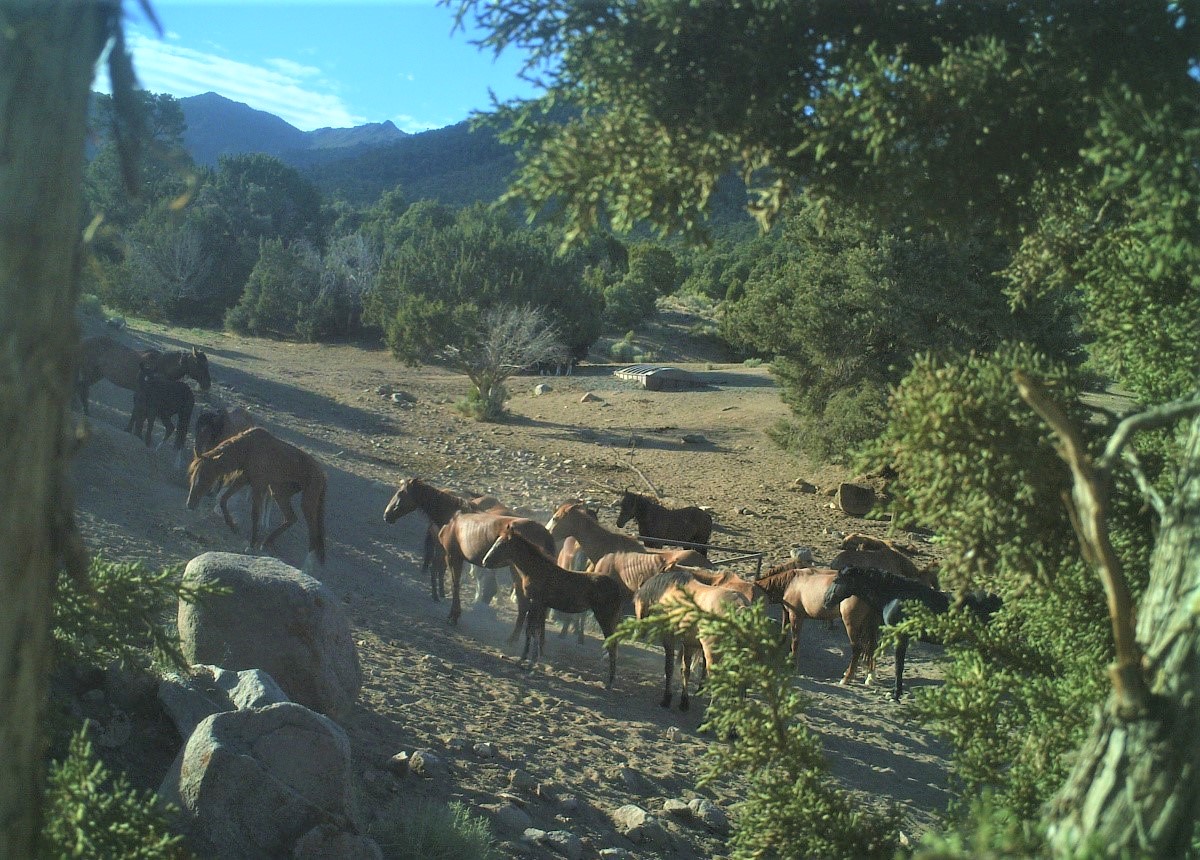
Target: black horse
886,593
168,400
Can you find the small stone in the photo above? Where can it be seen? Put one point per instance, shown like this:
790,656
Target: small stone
568,803
540,389
565,843
672,733
709,814
485,749
425,763
399,763
533,835
589,397
513,818
615,854
521,781
677,808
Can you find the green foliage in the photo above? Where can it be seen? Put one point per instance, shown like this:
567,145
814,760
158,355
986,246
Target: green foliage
441,276
992,832
483,406
125,611
89,306
432,831
792,806
843,307
974,459
90,813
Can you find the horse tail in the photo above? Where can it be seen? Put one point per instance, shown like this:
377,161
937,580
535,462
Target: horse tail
318,541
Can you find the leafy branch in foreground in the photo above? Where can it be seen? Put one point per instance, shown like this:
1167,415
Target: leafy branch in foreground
124,612
91,813
793,806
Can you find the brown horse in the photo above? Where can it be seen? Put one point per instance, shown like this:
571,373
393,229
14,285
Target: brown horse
469,536
214,426
801,590
631,569
572,557
265,464
884,558
101,357
575,520
549,586
439,506
672,592
691,524
725,579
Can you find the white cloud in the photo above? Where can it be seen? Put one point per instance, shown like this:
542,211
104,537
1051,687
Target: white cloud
281,89
292,68
413,125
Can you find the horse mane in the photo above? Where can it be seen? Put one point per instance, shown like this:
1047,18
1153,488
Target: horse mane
653,589
888,586
785,567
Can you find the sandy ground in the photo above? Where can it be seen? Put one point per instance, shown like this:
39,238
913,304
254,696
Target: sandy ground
428,685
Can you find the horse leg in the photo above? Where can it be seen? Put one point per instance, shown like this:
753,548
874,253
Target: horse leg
233,487
668,669
687,653
523,608
454,563
796,617
901,653
580,623
431,564
537,621
289,515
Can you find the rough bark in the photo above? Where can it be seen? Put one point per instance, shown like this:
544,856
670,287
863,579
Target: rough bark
1135,788
47,55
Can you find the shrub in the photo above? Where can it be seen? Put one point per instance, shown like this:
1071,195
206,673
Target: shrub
434,832
850,418
89,306
483,407
793,806
90,813
124,612
753,362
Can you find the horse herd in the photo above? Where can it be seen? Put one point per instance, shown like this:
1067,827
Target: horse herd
573,564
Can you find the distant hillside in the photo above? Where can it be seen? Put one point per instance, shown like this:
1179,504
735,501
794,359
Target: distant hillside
219,126
452,165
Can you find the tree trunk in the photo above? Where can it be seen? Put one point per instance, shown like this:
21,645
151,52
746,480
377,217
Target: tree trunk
47,55
1135,789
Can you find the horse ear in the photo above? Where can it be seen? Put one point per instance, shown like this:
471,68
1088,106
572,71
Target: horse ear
195,352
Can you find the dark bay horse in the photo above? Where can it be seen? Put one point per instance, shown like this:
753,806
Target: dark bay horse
468,537
548,586
888,593
673,592
101,357
214,426
265,464
167,400
574,519
654,520
439,506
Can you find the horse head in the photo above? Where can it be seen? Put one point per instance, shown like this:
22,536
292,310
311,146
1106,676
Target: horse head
491,557
209,426
202,474
401,504
196,366
628,507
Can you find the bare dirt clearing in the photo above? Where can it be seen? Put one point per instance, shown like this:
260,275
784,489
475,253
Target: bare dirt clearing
432,686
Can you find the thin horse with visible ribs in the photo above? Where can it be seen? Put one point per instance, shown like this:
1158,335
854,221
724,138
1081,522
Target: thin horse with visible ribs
438,506
265,464
672,592
574,519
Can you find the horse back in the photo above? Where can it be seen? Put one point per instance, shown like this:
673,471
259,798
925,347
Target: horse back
101,357
806,592
890,560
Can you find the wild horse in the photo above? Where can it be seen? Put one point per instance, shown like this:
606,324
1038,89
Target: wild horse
101,357
549,586
438,505
655,520
265,463
886,593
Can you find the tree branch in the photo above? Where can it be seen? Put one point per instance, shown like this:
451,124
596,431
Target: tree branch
1089,496
1157,416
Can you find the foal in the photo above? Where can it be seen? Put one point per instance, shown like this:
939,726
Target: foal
167,400
549,586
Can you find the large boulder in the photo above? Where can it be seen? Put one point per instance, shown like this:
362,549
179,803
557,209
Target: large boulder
253,783
274,618
208,690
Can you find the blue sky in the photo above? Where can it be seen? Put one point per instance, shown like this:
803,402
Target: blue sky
322,64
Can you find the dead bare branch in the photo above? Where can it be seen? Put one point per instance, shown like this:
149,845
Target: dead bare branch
1089,516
